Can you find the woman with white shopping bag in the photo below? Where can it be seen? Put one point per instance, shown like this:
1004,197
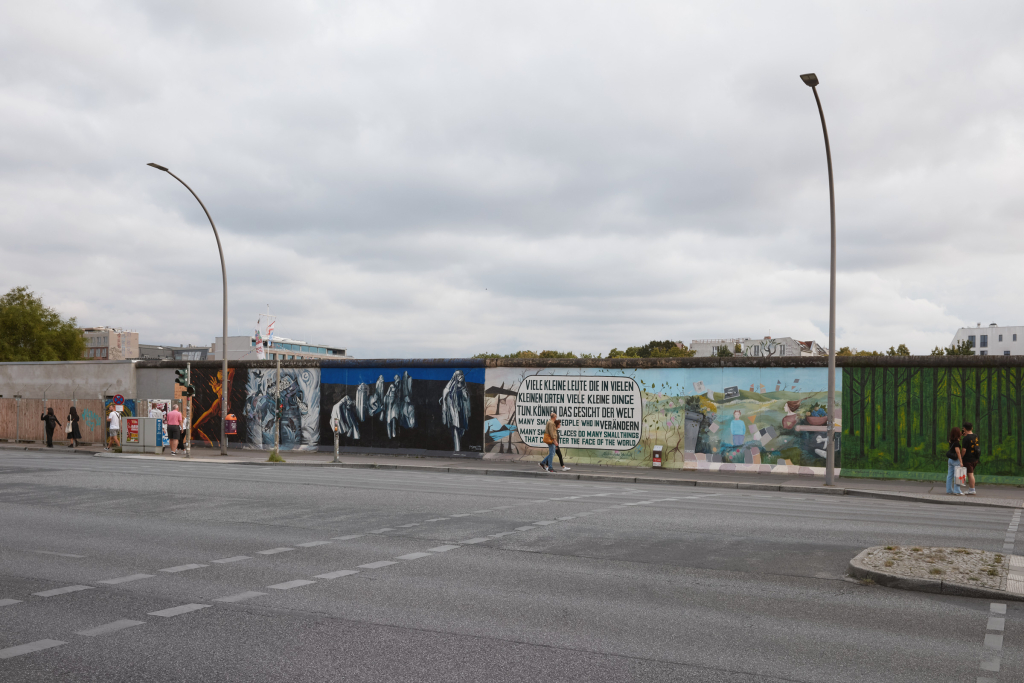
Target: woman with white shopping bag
956,475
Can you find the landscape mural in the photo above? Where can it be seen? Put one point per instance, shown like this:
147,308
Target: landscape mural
755,419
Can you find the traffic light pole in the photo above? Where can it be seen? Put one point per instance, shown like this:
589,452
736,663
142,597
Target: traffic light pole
188,413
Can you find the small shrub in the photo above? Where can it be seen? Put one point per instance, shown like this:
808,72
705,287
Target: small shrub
892,547
999,558
889,563
962,551
936,570
274,457
992,572
915,549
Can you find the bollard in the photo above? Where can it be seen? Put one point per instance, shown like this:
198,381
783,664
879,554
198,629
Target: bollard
336,439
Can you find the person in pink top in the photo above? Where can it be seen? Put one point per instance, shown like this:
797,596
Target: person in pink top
174,428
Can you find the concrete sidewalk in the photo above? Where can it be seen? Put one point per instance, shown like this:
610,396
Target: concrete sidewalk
926,492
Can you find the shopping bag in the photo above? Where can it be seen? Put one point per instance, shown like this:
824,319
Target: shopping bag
960,476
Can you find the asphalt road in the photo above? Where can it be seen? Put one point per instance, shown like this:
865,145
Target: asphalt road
362,575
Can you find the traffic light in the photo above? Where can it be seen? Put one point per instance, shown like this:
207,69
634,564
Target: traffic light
189,390
181,377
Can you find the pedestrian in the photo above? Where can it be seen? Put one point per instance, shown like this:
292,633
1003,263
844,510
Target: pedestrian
51,423
954,457
114,423
558,450
971,447
174,428
551,439
73,430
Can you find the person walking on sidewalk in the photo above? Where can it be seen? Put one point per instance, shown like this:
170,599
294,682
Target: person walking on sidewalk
51,423
75,432
114,422
558,450
551,439
174,428
971,446
955,458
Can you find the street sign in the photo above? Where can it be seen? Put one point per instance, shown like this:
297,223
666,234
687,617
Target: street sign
119,400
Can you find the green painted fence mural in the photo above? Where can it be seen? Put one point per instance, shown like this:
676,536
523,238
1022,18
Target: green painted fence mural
898,418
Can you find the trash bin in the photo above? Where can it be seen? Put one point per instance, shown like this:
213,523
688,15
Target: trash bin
230,424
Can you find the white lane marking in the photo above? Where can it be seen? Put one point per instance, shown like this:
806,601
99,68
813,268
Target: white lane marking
480,512
8,601
183,568
465,514
525,528
180,609
473,541
36,646
376,565
287,585
408,526
50,552
380,531
236,558
503,533
436,519
412,556
109,628
273,551
126,579
337,574
562,519
346,538
61,591
996,623
993,641
442,548
238,597
545,523
997,608
312,544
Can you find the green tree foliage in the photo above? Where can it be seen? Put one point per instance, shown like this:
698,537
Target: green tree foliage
533,354
847,351
961,348
654,349
900,350
29,331
724,352
844,351
738,349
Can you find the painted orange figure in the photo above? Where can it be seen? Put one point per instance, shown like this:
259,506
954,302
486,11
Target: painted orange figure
209,416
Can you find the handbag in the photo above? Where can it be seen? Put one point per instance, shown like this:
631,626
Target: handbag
547,438
960,475
67,425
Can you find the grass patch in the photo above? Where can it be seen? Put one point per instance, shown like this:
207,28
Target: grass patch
892,547
889,563
274,457
915,549
936,570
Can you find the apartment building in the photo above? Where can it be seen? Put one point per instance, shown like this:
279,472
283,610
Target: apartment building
992,340
110,343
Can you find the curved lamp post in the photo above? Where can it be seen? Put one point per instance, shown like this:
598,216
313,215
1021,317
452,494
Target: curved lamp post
224,339
830,459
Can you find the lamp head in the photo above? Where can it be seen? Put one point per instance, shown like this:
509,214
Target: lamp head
809,79
162,168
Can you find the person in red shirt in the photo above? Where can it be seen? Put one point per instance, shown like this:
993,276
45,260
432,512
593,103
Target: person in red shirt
174,428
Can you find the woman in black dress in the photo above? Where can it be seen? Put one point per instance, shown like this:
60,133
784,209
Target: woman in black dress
75,435
51,423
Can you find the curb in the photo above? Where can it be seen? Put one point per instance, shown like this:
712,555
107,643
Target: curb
952,500
859,570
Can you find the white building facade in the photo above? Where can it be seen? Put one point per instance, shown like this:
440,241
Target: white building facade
766,347
244,348
992,340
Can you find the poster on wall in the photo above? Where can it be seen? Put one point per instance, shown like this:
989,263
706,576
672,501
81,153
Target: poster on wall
754,419
300,413
131,430
434,408
595,412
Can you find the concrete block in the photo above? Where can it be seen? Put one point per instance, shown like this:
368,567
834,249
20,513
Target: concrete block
719,484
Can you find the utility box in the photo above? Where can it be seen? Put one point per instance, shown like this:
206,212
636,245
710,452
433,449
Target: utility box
656,456
142,435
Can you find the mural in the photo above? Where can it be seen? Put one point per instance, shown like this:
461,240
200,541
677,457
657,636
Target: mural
300,408
422,408
898,418
206,409
755,419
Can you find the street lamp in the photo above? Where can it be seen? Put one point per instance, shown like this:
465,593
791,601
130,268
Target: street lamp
830,454
224,344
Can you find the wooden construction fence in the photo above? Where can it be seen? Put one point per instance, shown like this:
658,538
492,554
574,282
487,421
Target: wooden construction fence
19,419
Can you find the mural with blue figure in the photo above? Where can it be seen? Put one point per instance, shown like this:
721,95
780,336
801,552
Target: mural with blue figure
438,407
300,412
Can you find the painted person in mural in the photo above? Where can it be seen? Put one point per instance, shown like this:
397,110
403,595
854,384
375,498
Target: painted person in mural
456,407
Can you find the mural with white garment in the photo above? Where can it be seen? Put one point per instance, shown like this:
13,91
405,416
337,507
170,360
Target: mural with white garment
300,412
733,418
402,407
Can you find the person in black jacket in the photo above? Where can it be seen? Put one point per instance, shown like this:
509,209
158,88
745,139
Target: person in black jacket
51,423
75,435
971,446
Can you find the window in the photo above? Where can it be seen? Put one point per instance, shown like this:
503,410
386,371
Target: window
320,349
984,353
1006,353
1000,337
970,340
1014,337
984,341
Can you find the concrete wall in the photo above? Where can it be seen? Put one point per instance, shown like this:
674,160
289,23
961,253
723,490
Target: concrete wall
154,383
71,379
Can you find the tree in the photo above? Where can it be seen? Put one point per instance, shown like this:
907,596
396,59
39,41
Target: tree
30,331
654,349
938,351
738,349
844,351
900,350
532,354
961,348
724,352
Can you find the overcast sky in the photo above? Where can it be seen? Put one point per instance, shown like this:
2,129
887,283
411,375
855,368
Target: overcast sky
445,178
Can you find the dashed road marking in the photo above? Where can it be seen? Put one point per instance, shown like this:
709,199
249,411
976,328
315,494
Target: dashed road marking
273,551
412,556
126,579
472,541
183,568
236,558
408,526
545,523
312,544
436,519
288,585
996,623
8,601
442,548
238,597
525,528
346,538
337,574
109,628
25,649
180,609
377,565
50,552
61,591
381,531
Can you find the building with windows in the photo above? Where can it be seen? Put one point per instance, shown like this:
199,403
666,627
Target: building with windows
767,346
992,340
243,347
109,343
